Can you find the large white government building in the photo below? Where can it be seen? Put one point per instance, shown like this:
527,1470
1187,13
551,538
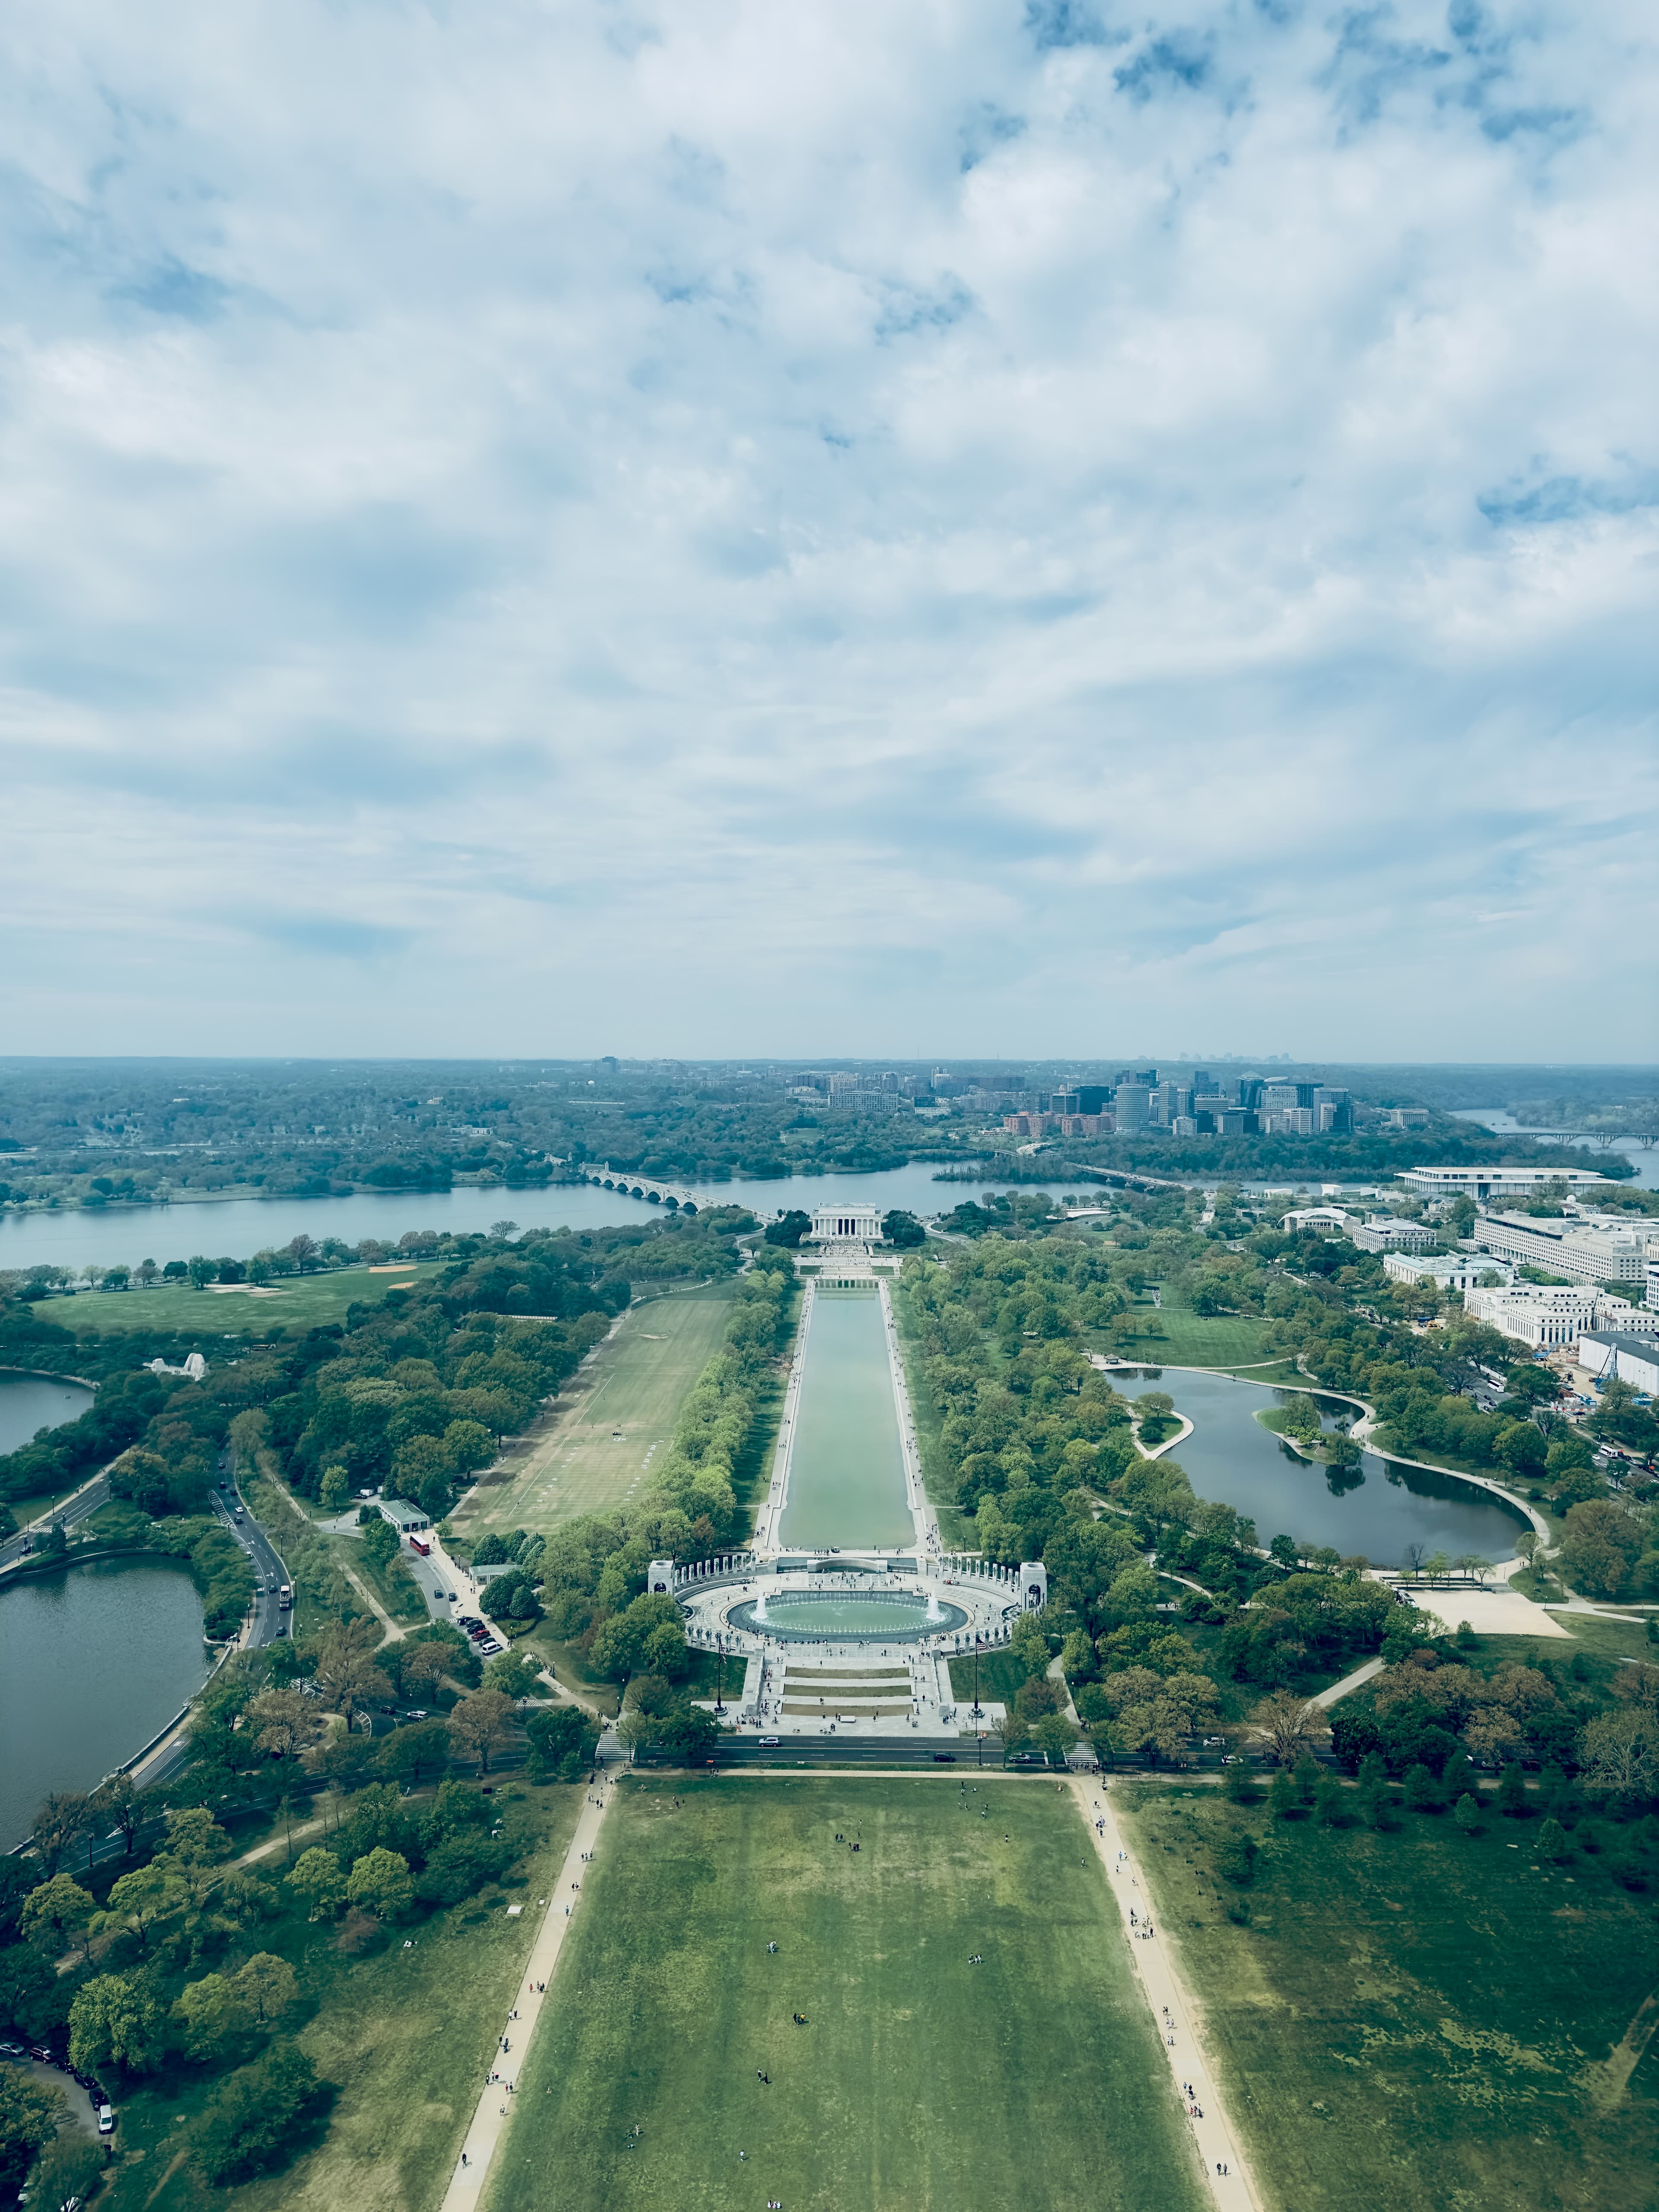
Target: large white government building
848,1223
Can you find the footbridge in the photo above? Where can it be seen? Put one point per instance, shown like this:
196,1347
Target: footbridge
650,1187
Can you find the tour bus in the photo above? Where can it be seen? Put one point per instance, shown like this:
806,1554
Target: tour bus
285,1598
415,1545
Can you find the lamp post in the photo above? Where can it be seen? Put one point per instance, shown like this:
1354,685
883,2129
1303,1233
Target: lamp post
719,1694
978,1714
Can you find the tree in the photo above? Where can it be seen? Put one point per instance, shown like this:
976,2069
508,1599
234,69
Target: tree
1553,1842
318,1879
1055,1738
335,1490
1512,1792
1288,1724
562,1742
477,1723
1467,1813
1283,1799
788,1229
266,1985
513,1674
120,1803
196,1844
115,2021
411,1753
1600,1547
380,1541
31,2113
1423,1792
58,1909
1619,1753
251,2121
347,1757
212,2014
346,1675
141,1899
902,1230
1533,1385
1521,1449
468,1445
380,1883
200,1271
68,2170
284,1722
59,1825
689,1733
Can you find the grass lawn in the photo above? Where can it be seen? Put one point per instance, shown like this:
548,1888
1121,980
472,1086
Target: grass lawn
406,2037
300,1301
1416,2019
1188,1340
637,1382
1002,1678
1034,2080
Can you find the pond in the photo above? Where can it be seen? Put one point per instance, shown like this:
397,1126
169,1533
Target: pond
847,1465
236,1228
93,1660
1376,1509
29,1402
859,1617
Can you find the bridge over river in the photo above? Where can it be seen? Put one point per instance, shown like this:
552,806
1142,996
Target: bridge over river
650,1187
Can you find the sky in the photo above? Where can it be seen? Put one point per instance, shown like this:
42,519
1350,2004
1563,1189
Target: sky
1003,527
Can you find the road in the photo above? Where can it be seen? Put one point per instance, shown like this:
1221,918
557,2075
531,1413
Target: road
88,1499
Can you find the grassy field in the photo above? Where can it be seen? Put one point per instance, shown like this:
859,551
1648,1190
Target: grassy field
613,1421
406,2037
919,2081
1417,2018
302,1301
1190,1339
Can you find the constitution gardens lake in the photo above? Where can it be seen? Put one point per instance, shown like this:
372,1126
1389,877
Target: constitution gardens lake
95,1661
1377,1509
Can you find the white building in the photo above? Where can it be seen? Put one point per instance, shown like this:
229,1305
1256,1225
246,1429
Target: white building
846,1224
1545,1315
1333,1218
1634,1359
1574,1248
1491,1182
1466,1272
1384,1233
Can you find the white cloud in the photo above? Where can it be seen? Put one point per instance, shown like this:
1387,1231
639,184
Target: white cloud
705,529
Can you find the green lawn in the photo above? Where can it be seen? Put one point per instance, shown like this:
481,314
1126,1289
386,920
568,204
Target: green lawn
1171,1338
300,1301
613,1423
406,2037
1416,2019
1034,2080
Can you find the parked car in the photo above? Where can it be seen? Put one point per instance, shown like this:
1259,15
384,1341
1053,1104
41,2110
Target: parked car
107,2119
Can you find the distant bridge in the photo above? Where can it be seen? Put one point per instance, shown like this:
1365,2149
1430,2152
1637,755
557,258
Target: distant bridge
651,1189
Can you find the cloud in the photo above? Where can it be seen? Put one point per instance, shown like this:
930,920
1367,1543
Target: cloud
829,529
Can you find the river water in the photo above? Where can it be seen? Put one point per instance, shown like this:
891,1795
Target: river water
1643,1158
29,1402
847,1465
1377,1511
236,1228
93,1660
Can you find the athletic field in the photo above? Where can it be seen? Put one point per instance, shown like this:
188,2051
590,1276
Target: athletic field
1031,2082
613,1421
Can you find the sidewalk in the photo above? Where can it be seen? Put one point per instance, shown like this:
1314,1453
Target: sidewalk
494,2106
1215,2136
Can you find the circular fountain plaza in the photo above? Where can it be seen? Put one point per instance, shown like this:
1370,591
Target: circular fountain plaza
846,1614
836,1643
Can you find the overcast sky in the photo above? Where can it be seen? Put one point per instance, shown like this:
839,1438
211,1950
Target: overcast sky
961,527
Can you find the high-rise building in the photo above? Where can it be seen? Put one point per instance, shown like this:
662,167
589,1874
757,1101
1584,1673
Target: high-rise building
1133,1106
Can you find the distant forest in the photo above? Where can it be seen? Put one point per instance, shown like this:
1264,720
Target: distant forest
99,1132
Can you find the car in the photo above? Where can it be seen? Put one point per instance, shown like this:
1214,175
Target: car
105,2119
488,1650
771,1743
945,1759
41,2055
416,1713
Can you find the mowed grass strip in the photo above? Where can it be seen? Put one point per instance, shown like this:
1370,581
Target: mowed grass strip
1035,2082
1416,2019
296,1301
637,1382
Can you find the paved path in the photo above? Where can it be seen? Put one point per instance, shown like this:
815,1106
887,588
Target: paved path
494,2106
1326,1699
1216,2139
